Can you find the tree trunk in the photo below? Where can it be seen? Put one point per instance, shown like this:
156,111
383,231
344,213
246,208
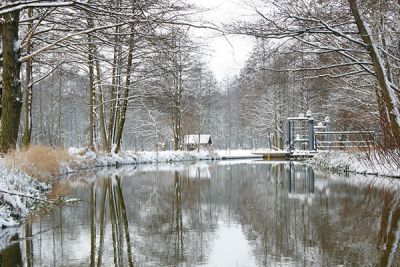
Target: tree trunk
26,139
177,111
91,84
101,107
11,94
114,91
122,113
177,125
389,95
113,101
60,105
388,140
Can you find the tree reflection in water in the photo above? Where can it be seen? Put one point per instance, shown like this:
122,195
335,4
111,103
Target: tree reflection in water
286,213
28,242
111,201
389,231
11,256
177,218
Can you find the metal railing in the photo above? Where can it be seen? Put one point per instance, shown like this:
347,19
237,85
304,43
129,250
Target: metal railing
341,140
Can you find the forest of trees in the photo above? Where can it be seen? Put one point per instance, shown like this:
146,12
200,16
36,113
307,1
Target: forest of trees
126,73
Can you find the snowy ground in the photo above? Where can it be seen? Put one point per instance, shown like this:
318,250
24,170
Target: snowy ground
353,162
19,194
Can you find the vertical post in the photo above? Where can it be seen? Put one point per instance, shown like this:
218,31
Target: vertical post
328,136
198,145
289,141
311,134
311,179
289,176
292,131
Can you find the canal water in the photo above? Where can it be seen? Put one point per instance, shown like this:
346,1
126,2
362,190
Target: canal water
233,213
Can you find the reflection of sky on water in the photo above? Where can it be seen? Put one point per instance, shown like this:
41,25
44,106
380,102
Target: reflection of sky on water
230,247
242,214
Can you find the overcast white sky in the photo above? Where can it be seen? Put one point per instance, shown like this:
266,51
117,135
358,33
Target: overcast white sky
227,54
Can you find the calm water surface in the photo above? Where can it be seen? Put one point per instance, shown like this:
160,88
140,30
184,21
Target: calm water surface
217,214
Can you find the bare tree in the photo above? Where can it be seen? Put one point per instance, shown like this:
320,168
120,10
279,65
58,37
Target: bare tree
343,32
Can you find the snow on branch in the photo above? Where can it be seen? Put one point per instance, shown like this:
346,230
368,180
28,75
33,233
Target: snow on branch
22,195
46,75
336,76
320,68
69,36
20,5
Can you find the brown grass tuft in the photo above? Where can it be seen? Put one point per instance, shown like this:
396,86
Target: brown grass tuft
39,161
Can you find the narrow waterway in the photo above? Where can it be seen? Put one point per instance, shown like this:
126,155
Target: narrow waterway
232,213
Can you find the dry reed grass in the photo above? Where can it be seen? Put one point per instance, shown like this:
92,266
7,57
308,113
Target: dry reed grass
39,161
59,189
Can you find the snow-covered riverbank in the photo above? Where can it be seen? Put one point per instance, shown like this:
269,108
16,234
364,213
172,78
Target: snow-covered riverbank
19,194
83,159
353,162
